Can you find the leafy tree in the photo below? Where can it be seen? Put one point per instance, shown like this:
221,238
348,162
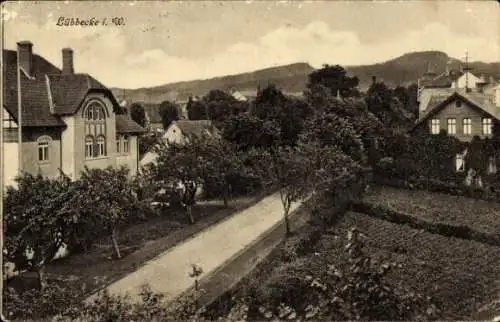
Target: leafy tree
335,79
169,112
106,200
138,114
269,102
38,218
224,166
183,167
197,110
247,131
221,105
147,142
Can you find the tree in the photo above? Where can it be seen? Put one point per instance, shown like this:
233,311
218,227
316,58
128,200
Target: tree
269,103
197,110
169,112
182,167
224,164
220,106
106,200
246,131
335,79
289,166
38,218
138,114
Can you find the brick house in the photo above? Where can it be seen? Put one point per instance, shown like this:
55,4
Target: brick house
69,120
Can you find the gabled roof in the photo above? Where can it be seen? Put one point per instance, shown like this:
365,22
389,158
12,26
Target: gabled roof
196,128
477,100
46,87
125,125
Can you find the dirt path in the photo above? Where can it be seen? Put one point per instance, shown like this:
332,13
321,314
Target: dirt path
169,272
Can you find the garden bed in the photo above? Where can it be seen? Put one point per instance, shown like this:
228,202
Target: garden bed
480,215
459,275
139,243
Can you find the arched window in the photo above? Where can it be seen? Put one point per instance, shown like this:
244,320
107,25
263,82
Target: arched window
101,146
43,148
94,115
89,147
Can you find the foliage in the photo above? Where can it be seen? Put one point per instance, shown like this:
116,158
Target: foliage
182,167
147,142
247,131
138,114
38,217
335,79
353,288
221,106
197,109
169,112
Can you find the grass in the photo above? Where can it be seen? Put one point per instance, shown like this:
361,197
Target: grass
139,243
460,276
479,215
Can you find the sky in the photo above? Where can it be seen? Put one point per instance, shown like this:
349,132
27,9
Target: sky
168,41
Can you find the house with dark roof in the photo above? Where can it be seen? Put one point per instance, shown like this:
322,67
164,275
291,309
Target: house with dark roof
180,131
67,120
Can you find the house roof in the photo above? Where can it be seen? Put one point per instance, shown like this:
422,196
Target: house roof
46,87
442,80
196,128
442,97
125,125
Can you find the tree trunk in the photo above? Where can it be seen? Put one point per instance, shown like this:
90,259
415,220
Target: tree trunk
226,196
115,243
288,230
189,210
42,278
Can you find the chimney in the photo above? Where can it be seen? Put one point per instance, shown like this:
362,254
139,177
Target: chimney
67,60
25,54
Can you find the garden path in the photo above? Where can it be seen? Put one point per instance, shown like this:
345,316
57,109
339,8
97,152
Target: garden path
169,272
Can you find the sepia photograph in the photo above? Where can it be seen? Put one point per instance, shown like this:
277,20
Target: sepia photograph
250,160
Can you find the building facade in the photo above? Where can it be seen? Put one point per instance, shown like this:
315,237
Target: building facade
69,121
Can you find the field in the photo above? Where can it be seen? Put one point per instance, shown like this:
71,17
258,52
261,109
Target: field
480,215
461,276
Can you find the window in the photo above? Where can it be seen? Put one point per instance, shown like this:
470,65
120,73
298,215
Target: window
43,148
101,146
95,127
118,138
467,126
459,162
435,129
125,144
8,121
458,104
89,147
492,166
452,126
487,126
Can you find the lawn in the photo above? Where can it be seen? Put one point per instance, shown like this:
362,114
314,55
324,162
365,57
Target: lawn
460,276
479,215
139,243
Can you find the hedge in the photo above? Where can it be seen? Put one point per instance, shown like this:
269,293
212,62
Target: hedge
447,230
442,187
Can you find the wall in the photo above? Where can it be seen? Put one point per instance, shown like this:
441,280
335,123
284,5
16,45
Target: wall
30,162
130,159
68,147
459,113
461,81
173,134
10,157
79,138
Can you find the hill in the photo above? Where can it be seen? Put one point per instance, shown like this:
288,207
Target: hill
292,78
